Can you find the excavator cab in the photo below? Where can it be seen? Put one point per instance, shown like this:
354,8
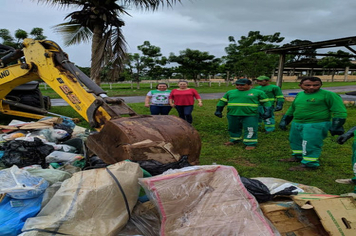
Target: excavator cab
122,133
28,94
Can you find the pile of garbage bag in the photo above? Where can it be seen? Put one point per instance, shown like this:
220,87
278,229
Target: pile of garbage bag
51,184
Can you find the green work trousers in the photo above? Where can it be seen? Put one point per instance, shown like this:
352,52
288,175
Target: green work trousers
306,141
246,125
269,122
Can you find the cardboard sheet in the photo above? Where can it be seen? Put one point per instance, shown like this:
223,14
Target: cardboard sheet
291,220
338,215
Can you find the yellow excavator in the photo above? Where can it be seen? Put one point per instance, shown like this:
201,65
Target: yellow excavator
123,134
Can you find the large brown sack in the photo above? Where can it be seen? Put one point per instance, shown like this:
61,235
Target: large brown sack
90,202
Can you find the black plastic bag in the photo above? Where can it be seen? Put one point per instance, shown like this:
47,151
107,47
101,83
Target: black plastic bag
94,162
65,128
287,191
156,168
258,189
25,153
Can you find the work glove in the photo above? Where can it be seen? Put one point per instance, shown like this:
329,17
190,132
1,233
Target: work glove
279,106
218,111
337,126
285,121
343,138
268,112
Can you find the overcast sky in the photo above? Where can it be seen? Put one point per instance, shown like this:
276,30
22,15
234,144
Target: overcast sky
203,25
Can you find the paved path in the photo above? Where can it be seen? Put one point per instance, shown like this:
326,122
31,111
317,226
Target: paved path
207,96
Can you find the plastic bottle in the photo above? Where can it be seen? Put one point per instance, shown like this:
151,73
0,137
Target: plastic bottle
13,136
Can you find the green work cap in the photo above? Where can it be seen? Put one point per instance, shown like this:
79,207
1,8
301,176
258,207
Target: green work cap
243,81
263,78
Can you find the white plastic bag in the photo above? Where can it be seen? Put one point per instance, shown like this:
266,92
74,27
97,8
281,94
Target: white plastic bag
20,184
54,135
59,156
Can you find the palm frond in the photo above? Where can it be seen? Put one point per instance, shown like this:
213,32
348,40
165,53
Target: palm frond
119,44
61,4
74,33
119,55
148,4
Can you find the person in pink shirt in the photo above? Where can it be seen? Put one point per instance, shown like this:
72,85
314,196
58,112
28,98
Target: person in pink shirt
182,99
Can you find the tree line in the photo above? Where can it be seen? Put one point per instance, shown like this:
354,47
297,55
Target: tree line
244,58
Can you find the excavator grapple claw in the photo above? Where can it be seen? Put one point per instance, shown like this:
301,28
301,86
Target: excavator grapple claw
161,138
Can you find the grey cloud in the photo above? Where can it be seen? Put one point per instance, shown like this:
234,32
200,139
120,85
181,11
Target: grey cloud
201,24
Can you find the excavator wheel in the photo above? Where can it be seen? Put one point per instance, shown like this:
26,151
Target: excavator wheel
162,138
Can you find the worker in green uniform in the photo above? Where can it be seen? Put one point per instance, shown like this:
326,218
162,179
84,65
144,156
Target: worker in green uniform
275,96
341,140
311,112
242,112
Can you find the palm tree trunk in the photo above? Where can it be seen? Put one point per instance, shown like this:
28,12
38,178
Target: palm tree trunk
95,58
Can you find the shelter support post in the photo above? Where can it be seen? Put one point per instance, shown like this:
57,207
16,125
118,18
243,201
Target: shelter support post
346,73
282,58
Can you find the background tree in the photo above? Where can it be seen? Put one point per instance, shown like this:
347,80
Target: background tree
224,70
193,63
8,40
37,34
85,70
212,68
303,54
20,35
153,61
100,22
334,61
135,65
246,56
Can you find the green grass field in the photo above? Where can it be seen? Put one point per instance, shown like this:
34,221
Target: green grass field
263,161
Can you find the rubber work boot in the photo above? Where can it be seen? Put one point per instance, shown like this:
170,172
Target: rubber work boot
250,147
302,168
229,143
344,181
348,195
292,159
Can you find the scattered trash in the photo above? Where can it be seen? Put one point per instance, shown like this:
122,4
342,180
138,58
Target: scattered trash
52,183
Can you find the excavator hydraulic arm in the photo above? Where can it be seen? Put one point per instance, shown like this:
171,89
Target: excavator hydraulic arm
123,133
46,61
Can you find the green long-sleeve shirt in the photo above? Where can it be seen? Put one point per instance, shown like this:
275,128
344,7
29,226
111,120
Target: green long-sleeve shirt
244,103
273,92
317,107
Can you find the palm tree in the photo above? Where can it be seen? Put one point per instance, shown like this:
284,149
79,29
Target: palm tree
100,22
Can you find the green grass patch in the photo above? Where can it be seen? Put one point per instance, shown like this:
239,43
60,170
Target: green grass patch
263,161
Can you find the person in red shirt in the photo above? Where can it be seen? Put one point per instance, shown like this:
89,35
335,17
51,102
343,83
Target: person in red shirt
182,99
